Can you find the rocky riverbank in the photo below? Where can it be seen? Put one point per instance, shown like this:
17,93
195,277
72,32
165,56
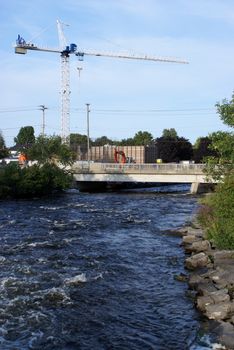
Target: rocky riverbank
211,278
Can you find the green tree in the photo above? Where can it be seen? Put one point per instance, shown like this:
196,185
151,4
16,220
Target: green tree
3,150
222,163
126,142
170,133
222,143
102,141
217,213
50,150
142,138
78,139
25,139
171,149
226,111
202,149
33,181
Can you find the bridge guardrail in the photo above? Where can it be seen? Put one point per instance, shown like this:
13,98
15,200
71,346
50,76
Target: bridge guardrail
113,168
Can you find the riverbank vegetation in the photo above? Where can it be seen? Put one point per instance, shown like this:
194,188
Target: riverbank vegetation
47,172
217,212
34,181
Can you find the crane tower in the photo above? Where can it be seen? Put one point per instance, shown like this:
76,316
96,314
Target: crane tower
65,51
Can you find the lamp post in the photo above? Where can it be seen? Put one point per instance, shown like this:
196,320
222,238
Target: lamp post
88,111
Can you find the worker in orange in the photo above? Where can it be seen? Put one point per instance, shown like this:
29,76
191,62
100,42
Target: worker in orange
22,159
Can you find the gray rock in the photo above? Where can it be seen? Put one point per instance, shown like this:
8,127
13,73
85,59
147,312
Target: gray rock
196,261
224,276
218,311
194,281
203,302
196,232
220,296
225,331
189,239
224,254
201,246
232,320
206,288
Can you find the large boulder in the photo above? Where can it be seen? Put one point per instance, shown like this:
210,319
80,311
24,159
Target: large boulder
225,332
220,311
200,246
197,261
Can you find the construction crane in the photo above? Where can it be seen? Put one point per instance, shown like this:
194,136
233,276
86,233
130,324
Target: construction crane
65,51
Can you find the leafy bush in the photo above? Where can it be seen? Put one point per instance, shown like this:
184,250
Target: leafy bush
34,181
217,214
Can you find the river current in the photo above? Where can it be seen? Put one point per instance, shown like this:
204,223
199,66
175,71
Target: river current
95,271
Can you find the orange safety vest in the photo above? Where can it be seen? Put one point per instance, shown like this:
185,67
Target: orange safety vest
22,158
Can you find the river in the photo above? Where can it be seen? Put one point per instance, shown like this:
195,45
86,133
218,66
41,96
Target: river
95,271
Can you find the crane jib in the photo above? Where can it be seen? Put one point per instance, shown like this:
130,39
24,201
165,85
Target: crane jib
65,50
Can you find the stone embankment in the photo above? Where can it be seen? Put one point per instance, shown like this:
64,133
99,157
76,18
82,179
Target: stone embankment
212,279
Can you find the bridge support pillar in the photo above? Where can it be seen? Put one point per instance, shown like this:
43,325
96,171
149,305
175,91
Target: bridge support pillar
198,188
194,188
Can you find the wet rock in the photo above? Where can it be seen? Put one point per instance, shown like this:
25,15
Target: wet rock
194,281
181,277
196,261
189,239
225,331
203,302
181,231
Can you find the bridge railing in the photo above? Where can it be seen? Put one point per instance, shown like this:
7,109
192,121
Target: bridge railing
131,168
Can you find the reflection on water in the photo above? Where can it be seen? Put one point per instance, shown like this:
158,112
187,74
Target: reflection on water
95,271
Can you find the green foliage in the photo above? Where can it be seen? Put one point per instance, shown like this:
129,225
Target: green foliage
103,140
34,181
3,150
223,163
25,139
173,150
170,133
217,214
226,111
202,149
50,150
142,138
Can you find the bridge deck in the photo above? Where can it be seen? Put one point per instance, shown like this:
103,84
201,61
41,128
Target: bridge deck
184,173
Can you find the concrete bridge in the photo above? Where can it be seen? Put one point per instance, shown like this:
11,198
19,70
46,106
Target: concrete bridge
91,176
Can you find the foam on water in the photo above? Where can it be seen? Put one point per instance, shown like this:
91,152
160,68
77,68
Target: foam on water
81,278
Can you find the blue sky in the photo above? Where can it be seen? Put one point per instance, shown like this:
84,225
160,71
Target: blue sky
125,96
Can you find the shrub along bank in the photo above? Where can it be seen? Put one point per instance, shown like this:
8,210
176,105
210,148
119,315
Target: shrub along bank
33,181
216,214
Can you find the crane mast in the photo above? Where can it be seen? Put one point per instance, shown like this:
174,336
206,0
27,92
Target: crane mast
65,84
65,50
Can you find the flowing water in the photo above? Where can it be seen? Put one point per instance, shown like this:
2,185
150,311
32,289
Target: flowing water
95,271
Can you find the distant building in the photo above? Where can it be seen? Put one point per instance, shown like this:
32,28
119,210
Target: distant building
105,154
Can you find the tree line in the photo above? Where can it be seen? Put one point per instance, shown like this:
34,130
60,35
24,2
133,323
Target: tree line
170,146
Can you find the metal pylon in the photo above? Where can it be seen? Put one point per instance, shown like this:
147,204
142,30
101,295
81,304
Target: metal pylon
65,98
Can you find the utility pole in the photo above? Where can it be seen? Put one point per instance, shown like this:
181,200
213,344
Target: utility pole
43,108
88,111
